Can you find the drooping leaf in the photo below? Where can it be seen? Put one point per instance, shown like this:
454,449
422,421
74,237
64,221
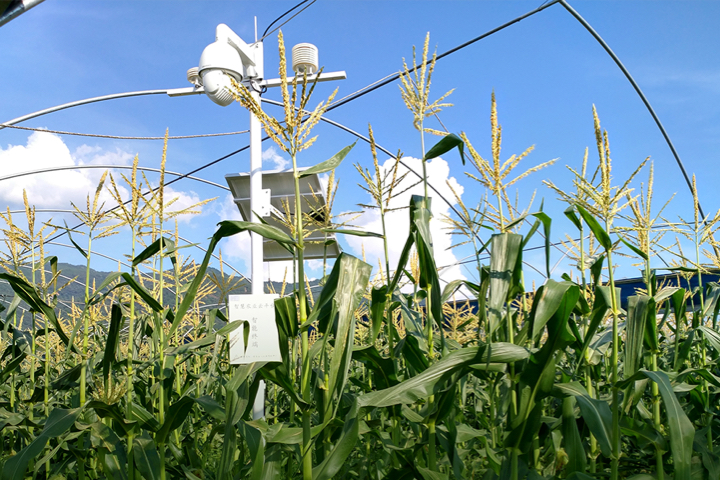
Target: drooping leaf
570,214
596,413
225,229
602,236
711,336
447,143
547,301
632,247
355,233
454,285
141,291
330,164
547,222
28,293
153,249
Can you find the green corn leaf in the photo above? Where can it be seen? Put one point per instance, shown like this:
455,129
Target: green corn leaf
286,315
212,407
103,410
427,383
77,247
11,366
651,324
682,431
383,368
548,299
632,247
153,249
643,432
378,302
112,450
639,307
105,283
27,292
146,419
256,446
274,457
352,279
142,292
601,309
596,268
570,213
174,418
428,474
116,321
602,236
447,143
59,422
147,459
225,229
504,255
287,324
571,437
681,428
596,413
330,164
712,301
429,280
452,287
547,222
356,233
712,336
279,375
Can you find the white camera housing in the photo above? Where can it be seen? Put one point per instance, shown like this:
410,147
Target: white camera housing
227,57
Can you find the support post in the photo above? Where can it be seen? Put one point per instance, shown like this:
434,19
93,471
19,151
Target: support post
257,270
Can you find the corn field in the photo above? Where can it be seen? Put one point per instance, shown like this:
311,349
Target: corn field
381,378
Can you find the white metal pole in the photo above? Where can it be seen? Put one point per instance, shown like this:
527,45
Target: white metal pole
257,272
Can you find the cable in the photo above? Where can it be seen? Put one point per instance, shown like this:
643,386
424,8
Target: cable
448,52
640,93
109,167
266,32
116,137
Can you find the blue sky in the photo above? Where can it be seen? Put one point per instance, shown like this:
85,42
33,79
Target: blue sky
546,71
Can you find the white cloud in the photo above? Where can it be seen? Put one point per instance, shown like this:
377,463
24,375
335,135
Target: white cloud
53,189
57,189
272,156
397,222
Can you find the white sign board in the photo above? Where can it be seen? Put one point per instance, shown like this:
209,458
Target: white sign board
263,342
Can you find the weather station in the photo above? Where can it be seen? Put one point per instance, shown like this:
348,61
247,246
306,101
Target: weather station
257,194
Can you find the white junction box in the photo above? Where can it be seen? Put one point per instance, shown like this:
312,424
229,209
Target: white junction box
263,341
